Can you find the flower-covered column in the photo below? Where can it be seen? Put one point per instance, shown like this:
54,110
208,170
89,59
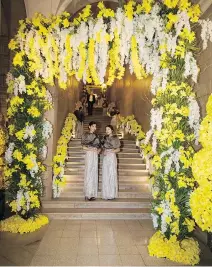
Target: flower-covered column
50,116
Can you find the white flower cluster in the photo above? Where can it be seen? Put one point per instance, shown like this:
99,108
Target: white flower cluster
206,32
29,132
191,68
44,151
35,167
48,97
173,158
194,117
9,78
19,199
9,153
165,205
156,121
47,129
155,218
19,85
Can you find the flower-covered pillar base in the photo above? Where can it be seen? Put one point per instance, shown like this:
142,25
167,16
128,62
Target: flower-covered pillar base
51,116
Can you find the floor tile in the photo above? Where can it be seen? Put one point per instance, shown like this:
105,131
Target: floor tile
132,260
88,233
71,242
88,241
70,233
110,260
106,240
128,250
108,250
87,260
72,227
88,250
42,261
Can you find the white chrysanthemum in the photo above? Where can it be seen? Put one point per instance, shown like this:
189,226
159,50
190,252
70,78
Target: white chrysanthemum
47,129
44,151
155,220
29,132
19,85
206,32
191,68
9,153
194,117
19,198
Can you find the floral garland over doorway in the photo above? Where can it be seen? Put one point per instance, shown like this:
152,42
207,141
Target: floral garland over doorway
153,38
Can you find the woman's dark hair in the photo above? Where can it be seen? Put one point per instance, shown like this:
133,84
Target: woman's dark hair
91,123
110,126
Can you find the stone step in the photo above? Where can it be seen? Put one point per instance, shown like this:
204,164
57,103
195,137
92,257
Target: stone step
65,203
120,160
121,178
123,172
124,141
122,185
68,193
134,167
122,149
97,213
119,155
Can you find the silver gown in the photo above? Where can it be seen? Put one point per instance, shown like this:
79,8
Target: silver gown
109,168
91,164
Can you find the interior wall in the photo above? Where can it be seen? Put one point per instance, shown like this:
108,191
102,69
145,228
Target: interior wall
132,96
204,86
66,101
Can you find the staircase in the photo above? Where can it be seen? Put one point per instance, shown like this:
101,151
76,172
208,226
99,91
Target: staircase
133,201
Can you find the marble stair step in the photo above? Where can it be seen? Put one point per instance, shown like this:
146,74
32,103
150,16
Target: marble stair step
122,149
98,213
129,172
119,155
121,178
124,141
131,166
121,194
122,185
65,203
120,160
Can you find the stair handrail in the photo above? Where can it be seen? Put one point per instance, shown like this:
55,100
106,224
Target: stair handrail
59,159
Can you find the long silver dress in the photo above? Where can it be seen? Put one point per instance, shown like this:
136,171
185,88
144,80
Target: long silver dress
91,140
109,168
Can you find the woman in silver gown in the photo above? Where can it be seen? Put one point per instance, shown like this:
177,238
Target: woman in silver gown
91,146
111,146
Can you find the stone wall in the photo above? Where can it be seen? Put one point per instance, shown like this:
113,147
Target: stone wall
133,96
66,102
204,86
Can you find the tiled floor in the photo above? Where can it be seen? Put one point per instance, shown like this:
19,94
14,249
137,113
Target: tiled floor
88,243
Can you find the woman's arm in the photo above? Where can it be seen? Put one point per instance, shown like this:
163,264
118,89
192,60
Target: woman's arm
116,150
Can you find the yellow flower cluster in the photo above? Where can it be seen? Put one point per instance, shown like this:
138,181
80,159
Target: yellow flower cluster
138,68
129,9
193,11
2,150
146,6
61,153
135,128
114,59
201,197
185,251
16,224
104,12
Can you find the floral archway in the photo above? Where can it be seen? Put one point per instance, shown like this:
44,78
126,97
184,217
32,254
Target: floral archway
153,38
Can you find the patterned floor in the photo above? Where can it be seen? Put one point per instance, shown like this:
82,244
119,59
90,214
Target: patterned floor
90,243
